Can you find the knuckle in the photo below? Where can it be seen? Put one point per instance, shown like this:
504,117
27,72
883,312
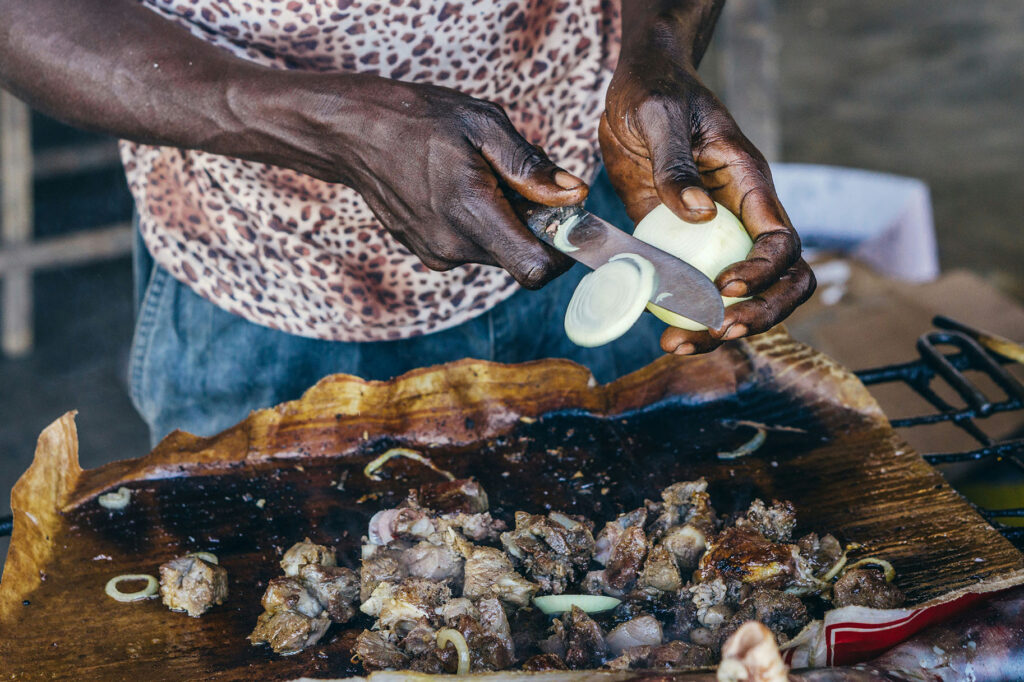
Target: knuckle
530,272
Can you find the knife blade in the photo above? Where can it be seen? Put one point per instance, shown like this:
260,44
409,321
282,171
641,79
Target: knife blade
584,237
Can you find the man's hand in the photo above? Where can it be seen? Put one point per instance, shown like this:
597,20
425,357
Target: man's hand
433,164
667,139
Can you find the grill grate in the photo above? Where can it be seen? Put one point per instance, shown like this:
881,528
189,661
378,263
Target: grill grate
933,365
919,376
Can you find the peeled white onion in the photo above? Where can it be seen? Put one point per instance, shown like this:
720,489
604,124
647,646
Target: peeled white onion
710,247
609,300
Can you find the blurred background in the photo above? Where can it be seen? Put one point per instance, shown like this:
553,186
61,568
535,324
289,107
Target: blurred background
926,89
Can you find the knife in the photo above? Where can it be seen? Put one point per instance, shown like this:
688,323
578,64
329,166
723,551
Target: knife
584,237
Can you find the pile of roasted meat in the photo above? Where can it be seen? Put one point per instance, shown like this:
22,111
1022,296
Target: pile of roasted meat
439,568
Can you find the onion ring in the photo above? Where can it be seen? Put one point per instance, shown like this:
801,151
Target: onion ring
116,500
450,635
147,592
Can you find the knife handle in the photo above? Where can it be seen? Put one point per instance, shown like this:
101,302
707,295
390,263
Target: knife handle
542,220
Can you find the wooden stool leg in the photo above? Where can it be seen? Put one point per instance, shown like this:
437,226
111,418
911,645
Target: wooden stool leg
15,222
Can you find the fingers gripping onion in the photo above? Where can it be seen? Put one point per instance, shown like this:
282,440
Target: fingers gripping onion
710,247
608,301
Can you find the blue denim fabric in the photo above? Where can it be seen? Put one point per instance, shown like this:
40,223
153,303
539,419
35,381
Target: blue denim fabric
199,368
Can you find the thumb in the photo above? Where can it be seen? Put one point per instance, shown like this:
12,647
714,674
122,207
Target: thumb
676,178
527,169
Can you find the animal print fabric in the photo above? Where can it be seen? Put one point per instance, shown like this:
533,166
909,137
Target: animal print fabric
308,257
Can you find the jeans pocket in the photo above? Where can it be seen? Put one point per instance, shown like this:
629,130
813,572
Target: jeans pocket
142,340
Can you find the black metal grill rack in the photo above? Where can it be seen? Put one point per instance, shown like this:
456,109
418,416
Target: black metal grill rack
934,365
919,375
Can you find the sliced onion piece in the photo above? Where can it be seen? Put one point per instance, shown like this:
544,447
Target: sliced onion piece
208,557
370,470
710,247
557,604
446,635
609,300
116,500
146,592
887,570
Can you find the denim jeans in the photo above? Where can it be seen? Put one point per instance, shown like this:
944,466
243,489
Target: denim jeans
202,369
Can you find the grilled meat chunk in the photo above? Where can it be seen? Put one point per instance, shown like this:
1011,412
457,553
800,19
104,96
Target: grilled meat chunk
335,587
866,586
461,495
412,600
494,621
660,572
477,527
775,522
782,613
433,562
612,532
686,544
288,631
487,650
745,555
459,606
192,585
543,662
625,561
290,594
489,573
644,630
376,652
379,565
683,503
680,655
585,646
631,658
306,552
552,549
820,554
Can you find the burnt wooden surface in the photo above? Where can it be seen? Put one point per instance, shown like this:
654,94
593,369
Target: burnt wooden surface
595,450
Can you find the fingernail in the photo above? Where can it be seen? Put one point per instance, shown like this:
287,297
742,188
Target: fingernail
684,349
736,287
697,200
567,180
734,332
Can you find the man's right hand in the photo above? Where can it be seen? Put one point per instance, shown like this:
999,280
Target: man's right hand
433,164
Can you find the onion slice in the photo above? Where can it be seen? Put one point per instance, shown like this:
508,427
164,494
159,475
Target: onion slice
208,557
370,470
450,635
556,604
887,569
609,300
146,592
117,500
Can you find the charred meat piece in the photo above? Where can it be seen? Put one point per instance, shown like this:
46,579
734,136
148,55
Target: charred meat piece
632,658
745,555
626,560
306,552
412,600
379,565
288,631
489,573
335,587
477,527
192,585
612,532
641,631
782,613
461,495
459,606
494,622
680,655
686,543
290,594
660,572
420,640
487,650
433,562
686,502
866,587
585,646
820,554
376,652
775,522
542,662
682,619
552,549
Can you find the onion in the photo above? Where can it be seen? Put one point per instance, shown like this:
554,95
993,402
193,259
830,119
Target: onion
446,635
116,500
609,300
710,247
643,630
208,557
370,470
146,592
556,604
748,448
887,569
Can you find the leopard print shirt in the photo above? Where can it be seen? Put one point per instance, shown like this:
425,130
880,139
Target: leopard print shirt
307,257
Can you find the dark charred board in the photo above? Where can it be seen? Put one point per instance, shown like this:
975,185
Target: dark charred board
536,436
